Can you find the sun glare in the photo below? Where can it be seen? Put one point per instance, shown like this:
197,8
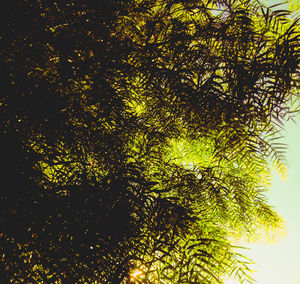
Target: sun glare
135,274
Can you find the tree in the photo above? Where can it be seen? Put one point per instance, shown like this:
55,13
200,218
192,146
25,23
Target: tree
136,137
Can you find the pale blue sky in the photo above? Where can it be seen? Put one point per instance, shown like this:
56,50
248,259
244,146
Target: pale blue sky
280,263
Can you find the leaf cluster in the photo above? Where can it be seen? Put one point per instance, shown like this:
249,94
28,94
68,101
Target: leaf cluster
136,136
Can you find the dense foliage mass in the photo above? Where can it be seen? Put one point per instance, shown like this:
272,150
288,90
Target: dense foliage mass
136,136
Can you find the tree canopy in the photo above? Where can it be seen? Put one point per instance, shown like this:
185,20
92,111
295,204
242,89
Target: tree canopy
137,136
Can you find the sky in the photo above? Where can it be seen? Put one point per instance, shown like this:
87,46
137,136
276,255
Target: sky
279,263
